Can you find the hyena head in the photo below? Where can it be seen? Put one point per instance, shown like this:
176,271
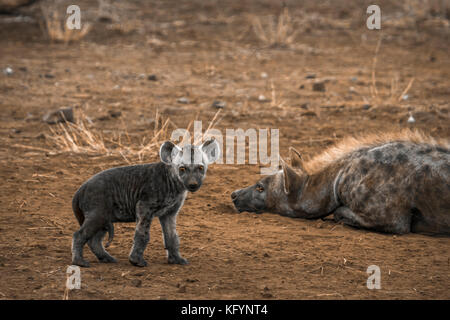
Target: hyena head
190,163
277,193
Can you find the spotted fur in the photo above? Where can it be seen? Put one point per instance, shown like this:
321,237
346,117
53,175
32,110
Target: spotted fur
396,183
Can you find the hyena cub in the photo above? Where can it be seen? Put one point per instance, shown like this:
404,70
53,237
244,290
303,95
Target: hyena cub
138,194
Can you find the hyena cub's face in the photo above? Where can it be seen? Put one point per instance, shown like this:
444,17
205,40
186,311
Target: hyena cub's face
190,163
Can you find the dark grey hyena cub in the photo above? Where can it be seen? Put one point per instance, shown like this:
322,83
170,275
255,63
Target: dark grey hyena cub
139,193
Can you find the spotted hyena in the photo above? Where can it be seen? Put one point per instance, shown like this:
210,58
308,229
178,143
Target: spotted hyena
395,183
138,194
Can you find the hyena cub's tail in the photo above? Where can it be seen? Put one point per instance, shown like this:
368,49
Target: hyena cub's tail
110,229
80,217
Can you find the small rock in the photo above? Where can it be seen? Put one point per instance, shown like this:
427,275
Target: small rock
310,76
319,86
366,106
304,106
23,69
16,130
182,289
191,280
152,77
267,295
302,86
60,115
405,97
262,98
266,255
353,79
219,104
136,283
114,114
49,76
264,75
411,119
309,114
183,100
8,71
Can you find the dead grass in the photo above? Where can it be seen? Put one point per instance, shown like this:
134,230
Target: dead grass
280,33
82,137
54,26
394,96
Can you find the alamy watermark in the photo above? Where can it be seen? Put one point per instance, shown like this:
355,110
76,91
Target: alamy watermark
258,143
374,279
374,20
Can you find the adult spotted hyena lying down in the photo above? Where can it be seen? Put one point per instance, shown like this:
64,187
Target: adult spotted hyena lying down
138,194
396,183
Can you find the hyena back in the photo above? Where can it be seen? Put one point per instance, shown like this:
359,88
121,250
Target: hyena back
138,194
396,186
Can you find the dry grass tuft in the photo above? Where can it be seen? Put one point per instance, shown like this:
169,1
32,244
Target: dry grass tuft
82,137
272,33
54,26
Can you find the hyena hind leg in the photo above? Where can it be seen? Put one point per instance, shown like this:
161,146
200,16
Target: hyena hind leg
348,217
88,229
96,246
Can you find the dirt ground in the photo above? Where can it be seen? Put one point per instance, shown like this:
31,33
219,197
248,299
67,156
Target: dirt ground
206,52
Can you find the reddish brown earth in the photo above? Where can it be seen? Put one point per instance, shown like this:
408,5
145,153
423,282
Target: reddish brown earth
206,53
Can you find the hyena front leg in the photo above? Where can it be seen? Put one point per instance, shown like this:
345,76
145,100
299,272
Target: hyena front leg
141,236
347,216
171,240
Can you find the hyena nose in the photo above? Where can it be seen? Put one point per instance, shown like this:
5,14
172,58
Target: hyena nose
193,185
234,195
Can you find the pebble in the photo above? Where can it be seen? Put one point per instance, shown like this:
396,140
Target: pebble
152,77
8,71
60,115
219,104
183,100
311,76
319,86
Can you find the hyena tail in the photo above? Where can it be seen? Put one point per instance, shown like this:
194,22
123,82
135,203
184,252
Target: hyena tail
80,217
110,229
76,208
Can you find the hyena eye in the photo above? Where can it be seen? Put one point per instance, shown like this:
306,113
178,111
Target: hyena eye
182,169
201,168
259,188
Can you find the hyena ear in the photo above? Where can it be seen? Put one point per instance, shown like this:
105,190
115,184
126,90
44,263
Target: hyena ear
296,159
291,180
168,152
211,149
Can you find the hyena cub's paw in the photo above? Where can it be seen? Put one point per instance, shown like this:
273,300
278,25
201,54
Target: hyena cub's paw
81,262
107,259
177,260
137,261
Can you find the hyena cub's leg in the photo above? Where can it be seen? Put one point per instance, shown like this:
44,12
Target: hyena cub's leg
141,235
88,229
96,246
171,240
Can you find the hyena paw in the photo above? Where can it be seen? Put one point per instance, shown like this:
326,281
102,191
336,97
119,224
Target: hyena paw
81,262
177,260
107,259
137,261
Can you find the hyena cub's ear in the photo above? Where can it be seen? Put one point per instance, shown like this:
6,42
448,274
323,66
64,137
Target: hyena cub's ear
211,149
169,152
296,159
